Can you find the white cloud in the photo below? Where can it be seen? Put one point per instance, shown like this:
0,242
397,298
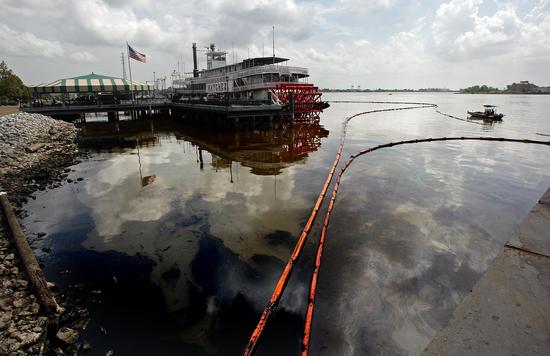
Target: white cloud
382,42
31,8
364,7
403,53
26,44
536,28
83,56
460,32
241,22
361,43
108,23
490,32
128,3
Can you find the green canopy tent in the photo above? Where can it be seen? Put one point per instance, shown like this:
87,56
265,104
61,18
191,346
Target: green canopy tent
91,83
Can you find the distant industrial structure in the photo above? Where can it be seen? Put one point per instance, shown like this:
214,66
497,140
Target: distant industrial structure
524,87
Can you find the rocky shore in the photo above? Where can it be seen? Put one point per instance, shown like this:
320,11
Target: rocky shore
22,325
35,151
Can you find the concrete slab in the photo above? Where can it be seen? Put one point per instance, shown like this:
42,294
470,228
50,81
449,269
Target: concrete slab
507,313
534,232
508,310
545,198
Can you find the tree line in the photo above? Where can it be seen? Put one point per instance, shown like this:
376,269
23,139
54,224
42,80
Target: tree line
523,87
480,89
12,89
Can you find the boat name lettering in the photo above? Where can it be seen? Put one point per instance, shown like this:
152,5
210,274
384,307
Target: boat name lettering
216,87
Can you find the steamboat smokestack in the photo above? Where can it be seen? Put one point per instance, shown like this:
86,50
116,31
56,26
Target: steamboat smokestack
195,65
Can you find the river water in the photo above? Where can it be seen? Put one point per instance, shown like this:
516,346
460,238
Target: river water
178,234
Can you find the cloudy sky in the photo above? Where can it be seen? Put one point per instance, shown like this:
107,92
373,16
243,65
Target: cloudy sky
377,43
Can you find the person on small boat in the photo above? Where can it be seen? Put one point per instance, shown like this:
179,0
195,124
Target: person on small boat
488,114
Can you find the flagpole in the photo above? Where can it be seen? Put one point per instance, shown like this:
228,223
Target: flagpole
130,70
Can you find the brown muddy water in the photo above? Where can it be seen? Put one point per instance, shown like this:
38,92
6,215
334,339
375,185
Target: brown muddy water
179,233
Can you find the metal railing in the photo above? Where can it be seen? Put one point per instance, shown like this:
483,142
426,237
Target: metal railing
224,102
252,86
271,68
69,103
267,69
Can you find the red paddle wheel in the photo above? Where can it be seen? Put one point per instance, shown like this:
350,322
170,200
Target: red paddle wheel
301,139
307,100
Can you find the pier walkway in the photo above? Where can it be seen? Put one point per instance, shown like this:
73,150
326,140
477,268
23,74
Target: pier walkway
76,109
508,310
233,110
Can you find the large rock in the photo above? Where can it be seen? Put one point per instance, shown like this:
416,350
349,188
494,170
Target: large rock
35,146
28,338
67,335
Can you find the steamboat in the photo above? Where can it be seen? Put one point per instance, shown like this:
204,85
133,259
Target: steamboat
253,81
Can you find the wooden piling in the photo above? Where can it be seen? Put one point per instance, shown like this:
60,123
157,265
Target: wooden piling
28,259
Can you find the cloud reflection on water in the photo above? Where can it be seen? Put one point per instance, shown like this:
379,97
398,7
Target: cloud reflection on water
412,231
166,220
411,254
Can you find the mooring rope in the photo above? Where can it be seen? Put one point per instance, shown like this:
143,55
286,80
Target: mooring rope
378,102
403,102
459,118
285,275
313,285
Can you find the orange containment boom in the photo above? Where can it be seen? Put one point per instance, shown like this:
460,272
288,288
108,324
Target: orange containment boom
283,279
313,286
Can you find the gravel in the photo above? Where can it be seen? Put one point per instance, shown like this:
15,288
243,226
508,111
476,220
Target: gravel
34,151
22,325
21,131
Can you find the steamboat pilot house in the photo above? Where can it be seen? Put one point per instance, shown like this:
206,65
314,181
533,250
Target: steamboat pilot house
255,80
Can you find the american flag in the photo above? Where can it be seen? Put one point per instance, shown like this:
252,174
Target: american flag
136,55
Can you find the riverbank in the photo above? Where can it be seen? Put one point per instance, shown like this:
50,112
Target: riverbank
35,149
8,109
34,153
508,310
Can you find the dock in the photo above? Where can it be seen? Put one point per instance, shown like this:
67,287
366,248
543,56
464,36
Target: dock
60,110
508,310
228,110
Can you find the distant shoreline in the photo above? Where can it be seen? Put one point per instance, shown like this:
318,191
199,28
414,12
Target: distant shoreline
326,90
422,91
501,93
